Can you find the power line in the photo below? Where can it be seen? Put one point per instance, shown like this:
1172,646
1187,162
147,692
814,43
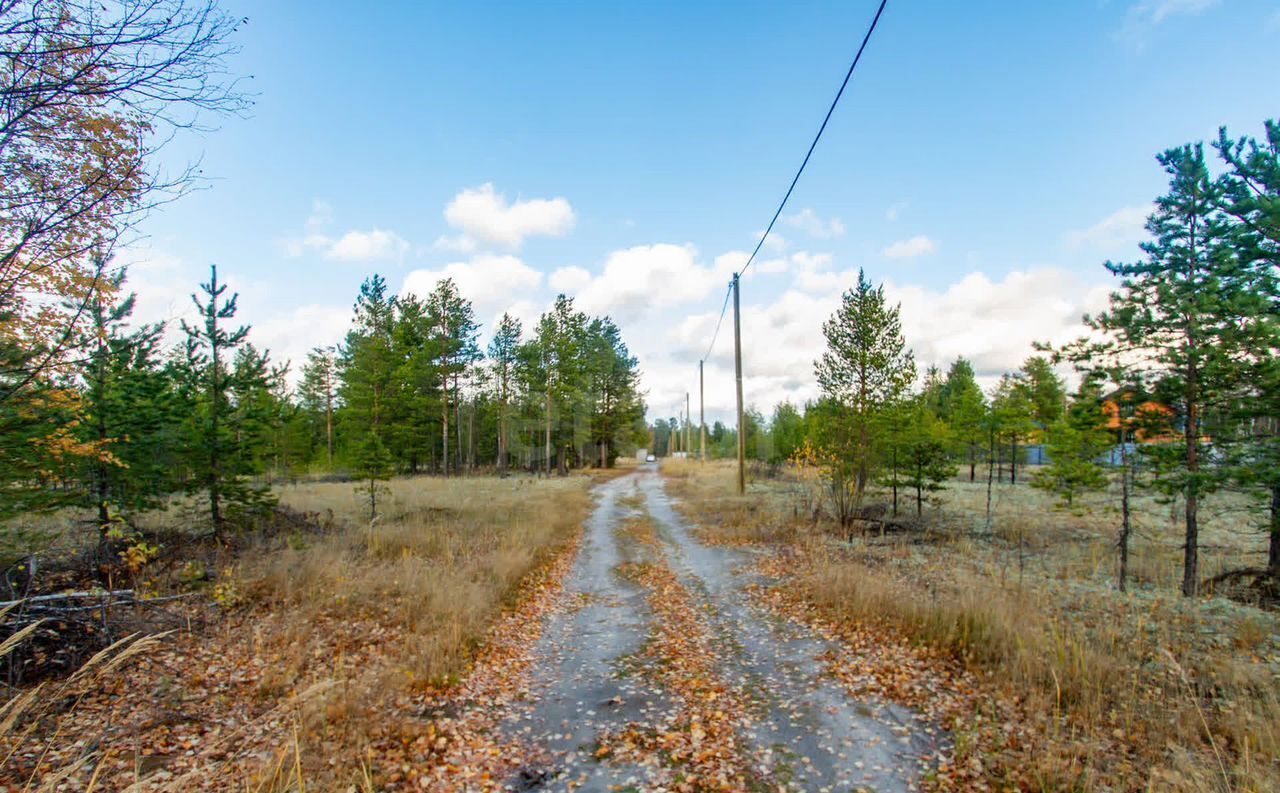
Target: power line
727,292
813,145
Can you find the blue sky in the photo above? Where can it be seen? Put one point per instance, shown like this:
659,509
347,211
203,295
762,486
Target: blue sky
984,162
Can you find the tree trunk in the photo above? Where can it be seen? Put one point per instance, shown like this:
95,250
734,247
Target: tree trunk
458,452
215,495
1126,526
973,462
1273,553
1191,557
919,491
502,440
893,480
547,463
328,413
1013,459
444,423
991,471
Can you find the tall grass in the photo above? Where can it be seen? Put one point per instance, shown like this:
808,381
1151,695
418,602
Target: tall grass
1145,691
332,640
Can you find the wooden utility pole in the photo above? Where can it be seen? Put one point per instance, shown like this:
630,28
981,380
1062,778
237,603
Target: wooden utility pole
737,371
702,417
688,425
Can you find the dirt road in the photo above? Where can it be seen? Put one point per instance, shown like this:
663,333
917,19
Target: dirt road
661,670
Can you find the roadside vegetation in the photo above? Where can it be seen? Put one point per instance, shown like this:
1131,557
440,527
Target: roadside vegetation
1066,684
314,659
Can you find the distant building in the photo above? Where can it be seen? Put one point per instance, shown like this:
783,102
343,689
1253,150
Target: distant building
642,455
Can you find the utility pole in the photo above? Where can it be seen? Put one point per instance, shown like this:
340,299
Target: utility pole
702,417
737,370
688,424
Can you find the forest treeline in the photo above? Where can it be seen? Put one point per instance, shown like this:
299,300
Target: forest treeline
1179,378
127,422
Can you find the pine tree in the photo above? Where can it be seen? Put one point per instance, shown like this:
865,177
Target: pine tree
787,431
126,410
1013,420
221,466
929,465
456,331
367,366
317,394
964,407
1177,307
866,366
1252,199
1045,390
1075,443
504,350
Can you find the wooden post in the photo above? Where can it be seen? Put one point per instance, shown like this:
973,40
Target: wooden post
702,417
737,370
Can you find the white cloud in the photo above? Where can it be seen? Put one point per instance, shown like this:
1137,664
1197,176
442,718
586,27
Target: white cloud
994,323
291,335
636,280
774,242
907,249
483,215
375,245
492,283
1121,230
569,279
808,221
164,284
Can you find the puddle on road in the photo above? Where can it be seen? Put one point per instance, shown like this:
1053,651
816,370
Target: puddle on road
805,734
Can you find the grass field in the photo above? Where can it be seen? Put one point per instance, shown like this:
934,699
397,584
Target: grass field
322,639
1082,688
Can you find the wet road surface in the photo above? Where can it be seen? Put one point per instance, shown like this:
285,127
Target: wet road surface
801,731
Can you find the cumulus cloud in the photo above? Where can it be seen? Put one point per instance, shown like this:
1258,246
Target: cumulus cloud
991,321
493,283
484,215
1121,230
810,223
918,245
293,334
994,323
569,279
636,280
374,245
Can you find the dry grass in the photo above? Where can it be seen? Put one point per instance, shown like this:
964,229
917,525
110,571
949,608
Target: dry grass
1145,691
330,636
444,557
